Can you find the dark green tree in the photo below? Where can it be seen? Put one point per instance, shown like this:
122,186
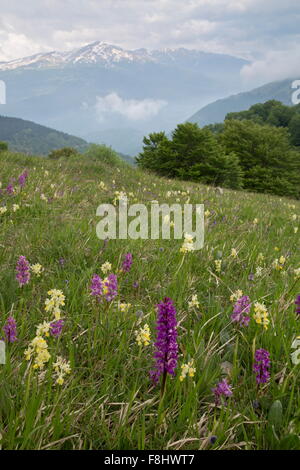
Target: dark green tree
157,155
266,156
192,153
280,115
294,128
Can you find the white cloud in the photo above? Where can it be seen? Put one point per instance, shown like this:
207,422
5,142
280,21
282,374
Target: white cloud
200,27
276,65
131,109
20,44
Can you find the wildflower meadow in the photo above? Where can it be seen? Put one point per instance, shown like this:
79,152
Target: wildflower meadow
145,344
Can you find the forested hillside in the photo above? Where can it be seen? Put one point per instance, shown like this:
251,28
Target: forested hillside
31,138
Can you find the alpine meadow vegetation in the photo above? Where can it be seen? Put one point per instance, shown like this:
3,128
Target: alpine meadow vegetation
146,344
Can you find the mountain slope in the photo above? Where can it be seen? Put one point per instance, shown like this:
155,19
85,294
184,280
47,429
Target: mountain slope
216,111
28,137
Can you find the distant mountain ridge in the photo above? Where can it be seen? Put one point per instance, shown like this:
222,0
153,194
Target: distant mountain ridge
110,55
71,91
97,52
216,112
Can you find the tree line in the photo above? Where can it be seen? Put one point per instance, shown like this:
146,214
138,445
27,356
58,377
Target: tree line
254,150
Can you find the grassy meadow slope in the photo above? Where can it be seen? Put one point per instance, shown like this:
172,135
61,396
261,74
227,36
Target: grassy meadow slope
108,401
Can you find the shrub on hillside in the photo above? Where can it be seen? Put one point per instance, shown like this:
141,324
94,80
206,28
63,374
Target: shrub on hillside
65,152
3,146
104,154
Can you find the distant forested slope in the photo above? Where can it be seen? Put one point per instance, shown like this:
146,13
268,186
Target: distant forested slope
28,137
217,111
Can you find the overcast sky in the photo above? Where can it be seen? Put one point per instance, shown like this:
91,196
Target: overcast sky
265,31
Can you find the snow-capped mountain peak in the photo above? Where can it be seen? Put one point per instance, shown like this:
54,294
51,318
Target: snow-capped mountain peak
108,56
96,52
